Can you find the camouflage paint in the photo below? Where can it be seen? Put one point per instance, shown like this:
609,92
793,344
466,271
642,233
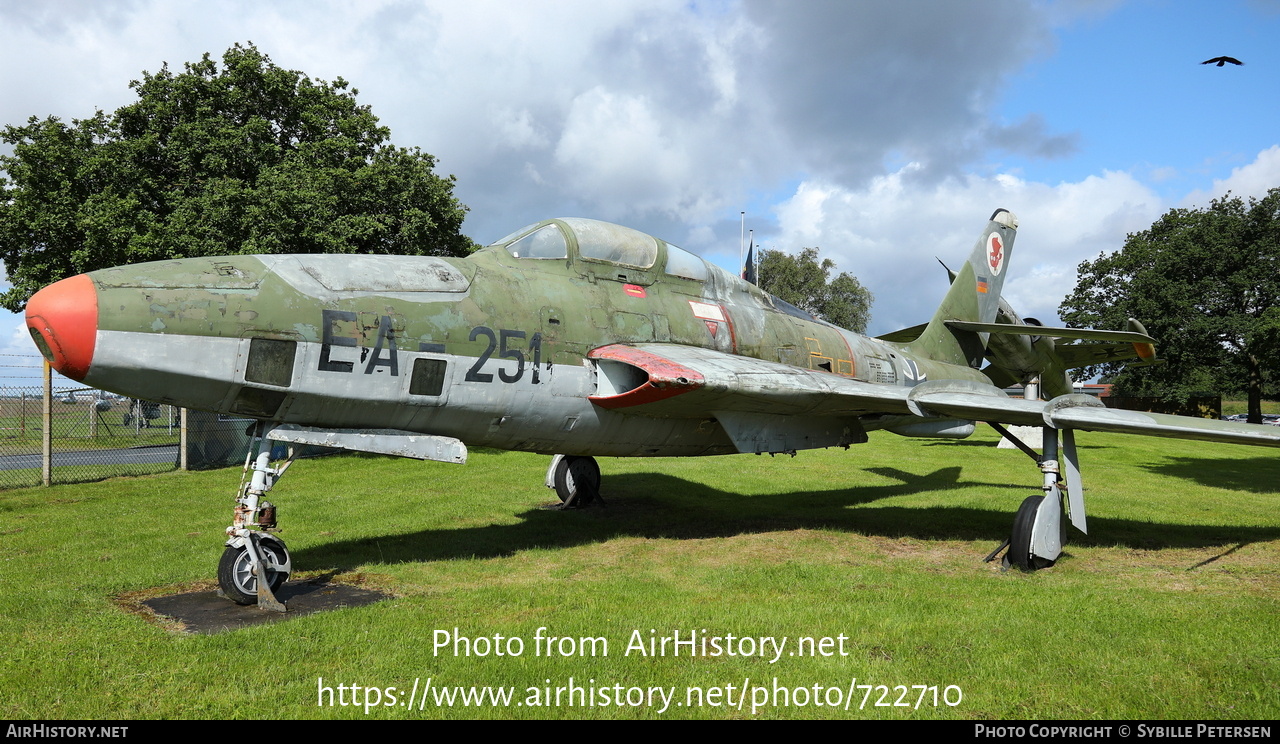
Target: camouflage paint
515,336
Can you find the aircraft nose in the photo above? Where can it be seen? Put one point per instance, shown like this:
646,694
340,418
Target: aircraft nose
63,320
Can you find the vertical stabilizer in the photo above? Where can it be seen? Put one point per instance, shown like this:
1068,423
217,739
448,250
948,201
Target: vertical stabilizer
974,296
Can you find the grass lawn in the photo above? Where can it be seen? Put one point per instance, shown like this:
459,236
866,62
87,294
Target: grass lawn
1230,407
1168,609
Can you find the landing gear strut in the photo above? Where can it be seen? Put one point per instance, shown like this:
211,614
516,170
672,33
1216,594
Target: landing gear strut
1039,531
576,480
255,563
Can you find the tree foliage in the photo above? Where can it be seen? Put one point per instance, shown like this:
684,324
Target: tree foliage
804,282
243,158
1206,283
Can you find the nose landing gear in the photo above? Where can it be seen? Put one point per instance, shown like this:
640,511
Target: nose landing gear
255,563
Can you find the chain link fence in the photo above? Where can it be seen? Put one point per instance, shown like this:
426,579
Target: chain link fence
94,435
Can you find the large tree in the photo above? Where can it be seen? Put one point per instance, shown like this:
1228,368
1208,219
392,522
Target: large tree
245,157
805,282
1206,282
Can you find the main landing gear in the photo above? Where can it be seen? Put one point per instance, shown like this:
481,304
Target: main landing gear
255,563
576,480
1039,531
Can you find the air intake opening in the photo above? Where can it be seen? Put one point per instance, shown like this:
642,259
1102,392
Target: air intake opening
616,378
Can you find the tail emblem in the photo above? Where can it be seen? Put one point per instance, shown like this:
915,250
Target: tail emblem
995,253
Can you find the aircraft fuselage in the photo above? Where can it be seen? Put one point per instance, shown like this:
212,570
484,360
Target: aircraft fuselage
493,350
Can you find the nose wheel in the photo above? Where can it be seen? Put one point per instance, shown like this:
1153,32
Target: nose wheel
237,576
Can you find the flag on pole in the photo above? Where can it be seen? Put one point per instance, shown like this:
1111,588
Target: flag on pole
749,270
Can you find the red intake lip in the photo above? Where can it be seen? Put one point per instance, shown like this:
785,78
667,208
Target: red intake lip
63,320
666,378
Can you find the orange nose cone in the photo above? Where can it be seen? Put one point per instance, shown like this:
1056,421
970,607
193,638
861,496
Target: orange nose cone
63,320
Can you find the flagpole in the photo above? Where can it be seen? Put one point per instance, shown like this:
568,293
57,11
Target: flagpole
742,237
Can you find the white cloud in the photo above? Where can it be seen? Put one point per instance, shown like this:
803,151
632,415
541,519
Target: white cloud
672,116
617,149
889,233
1254,179
721,100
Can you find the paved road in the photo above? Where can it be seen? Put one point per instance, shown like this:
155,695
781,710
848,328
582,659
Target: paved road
131,456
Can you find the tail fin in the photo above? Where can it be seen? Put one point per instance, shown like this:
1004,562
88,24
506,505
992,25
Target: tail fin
974,297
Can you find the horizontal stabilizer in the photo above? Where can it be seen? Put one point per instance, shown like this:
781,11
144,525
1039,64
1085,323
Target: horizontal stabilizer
906,335
379,441
1074,356
1090,334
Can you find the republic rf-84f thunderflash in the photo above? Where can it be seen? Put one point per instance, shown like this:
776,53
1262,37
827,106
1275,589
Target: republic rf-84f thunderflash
577,339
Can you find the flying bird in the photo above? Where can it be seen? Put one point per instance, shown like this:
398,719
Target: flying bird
1222,61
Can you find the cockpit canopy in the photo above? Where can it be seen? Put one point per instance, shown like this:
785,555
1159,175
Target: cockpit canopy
593,240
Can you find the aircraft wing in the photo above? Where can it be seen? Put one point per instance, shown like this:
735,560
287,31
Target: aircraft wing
673,381
749,396
1087,413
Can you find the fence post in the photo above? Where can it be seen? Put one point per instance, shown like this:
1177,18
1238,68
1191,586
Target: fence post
182,439
46,436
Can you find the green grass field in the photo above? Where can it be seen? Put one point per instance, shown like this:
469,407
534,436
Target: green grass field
1168,609
1230,407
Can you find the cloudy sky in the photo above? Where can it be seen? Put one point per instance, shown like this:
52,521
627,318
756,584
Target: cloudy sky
884,133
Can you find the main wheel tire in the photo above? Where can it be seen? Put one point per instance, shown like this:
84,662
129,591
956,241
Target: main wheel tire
235,571
1020,541
577,480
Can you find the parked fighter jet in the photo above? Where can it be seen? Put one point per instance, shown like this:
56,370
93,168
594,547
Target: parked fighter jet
577,339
